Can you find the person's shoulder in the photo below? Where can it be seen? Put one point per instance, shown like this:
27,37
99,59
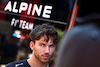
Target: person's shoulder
16,63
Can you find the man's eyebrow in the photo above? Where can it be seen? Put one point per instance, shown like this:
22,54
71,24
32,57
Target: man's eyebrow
52,44
42,43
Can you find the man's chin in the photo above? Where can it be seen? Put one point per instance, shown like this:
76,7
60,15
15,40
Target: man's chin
45,61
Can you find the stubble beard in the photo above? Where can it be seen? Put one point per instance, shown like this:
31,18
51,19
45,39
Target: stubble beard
37,56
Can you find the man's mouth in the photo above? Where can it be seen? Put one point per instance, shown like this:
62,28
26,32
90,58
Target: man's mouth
46,57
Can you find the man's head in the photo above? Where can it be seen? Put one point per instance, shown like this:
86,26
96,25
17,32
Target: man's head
42,30
44,38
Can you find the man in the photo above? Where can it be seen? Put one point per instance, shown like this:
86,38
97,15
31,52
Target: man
44,38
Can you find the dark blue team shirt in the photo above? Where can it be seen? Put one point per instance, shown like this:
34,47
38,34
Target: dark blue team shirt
21,63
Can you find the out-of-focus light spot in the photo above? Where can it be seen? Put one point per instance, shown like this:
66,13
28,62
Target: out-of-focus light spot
18,36
17,32
14,35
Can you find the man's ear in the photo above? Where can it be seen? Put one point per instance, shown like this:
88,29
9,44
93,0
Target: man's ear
32,45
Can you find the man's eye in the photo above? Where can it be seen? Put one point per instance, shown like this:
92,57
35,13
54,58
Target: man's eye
42,45
51,45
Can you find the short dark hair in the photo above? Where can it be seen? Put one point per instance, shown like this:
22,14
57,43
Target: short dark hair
44,29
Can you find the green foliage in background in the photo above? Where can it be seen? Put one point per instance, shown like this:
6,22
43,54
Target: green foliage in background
60,34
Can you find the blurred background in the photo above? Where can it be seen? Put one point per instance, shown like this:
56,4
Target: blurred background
14,40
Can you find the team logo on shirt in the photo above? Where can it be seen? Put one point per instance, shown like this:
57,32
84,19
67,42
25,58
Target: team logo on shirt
18,64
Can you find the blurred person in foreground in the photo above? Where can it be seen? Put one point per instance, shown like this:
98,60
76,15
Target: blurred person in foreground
80,47
43,44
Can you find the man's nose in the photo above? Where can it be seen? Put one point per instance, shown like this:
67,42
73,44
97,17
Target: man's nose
46,50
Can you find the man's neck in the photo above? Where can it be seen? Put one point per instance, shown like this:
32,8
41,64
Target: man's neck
34,62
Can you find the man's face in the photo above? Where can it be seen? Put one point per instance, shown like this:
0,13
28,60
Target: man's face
43,50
